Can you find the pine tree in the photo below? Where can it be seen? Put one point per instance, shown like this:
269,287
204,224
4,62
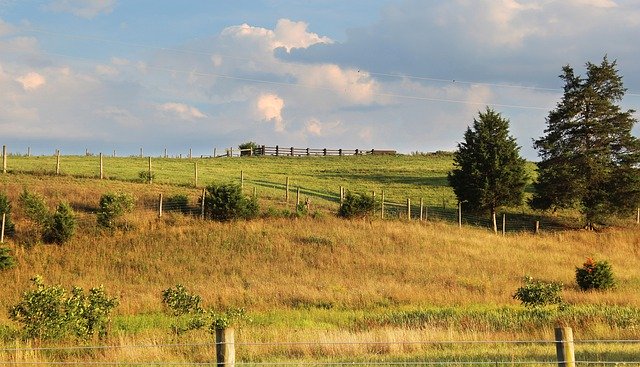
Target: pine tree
589,159
489,172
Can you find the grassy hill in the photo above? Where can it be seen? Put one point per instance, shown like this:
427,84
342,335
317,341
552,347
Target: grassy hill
320,277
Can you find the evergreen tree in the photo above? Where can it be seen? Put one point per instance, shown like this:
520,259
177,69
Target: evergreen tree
489,172
589,157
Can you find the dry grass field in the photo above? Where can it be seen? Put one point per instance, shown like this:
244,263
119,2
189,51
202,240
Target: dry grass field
322,279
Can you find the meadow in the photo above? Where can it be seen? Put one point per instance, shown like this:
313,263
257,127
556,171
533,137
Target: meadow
317,278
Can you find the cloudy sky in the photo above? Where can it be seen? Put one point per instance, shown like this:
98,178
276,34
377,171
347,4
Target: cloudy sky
407,75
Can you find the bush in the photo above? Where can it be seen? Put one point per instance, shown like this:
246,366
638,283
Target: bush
356,205
177,203
111,207
5,208
7,261
226,202
185,308
595,275
34,208
61,226
47,313
536,293
248,145
146,176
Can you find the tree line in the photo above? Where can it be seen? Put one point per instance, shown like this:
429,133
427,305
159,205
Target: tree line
589,159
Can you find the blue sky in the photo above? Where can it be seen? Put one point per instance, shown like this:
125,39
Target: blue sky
407,75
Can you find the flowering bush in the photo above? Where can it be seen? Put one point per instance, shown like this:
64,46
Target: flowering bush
595,275
536,293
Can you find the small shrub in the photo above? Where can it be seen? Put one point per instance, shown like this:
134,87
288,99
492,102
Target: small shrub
7,260
185,308
146,176
111,207
5,208
47,313
536,293
226,202
248,145
229,318
356,205
177,203
61,226
34,208
595,275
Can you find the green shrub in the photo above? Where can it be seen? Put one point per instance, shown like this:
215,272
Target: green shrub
146,176
536,293
177,203
356,205
226,202
47,313
7,260
595,275
61,226
229,318
34,208
5,208
111,207
248,145
185,308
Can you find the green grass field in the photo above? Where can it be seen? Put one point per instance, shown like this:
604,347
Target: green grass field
316,279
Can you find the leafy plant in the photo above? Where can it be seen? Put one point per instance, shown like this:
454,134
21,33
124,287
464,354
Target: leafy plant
229,318
61,226
111,207
177,203
146,176
5,208
356,205
595,275
537,293
34,207
244,148
226,202
47,313
186,309
7,261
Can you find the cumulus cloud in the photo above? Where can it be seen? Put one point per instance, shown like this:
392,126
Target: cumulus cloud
181,111
31,81
83,8
269,108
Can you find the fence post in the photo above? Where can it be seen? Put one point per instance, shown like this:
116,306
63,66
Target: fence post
4,218
286,195
28,151
307,151
638,216
101,168
195,174
214,152
141,155
341,195
57,161
382,206
277,150
165,152
202,204
225,348
241,179
160,206
255,192
340,152
297,197
292,151
408,209
421,208
504,224
565,347
459,214
324,151
537,228
264,150
190,156
114,153
4,159
373,195
150,172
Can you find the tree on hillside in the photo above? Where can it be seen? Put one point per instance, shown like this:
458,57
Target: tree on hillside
589,157
488,170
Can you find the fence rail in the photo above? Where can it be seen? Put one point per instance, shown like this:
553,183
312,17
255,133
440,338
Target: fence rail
299,152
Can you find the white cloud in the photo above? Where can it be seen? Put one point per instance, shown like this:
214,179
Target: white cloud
5,28
83,8
269,108
354,85
106,70
181,111
31,81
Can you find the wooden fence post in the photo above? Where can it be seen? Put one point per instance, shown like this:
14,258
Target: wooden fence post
57,161
214,152
638,216
373,195
225,348
190,155
324,151
241,179
277,150
408,209
564,347
202,204
504,224
141,155
286,195
160,206
101,168
255,192
341,195
195,174
459,214
4,218
340,152
537,227
382,206
114,153
421,208
150,172
297,197
28,151
4,159
165,152
292,151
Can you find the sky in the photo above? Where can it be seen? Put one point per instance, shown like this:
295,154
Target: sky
407,75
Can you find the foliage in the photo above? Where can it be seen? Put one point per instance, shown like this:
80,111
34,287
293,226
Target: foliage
488,170
185,308
7,261
589,158
34,208
177,203
5,208
146,176
536,293
248,145
111,207
47,313
61,226
229,318
356,205
226,202
595,275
